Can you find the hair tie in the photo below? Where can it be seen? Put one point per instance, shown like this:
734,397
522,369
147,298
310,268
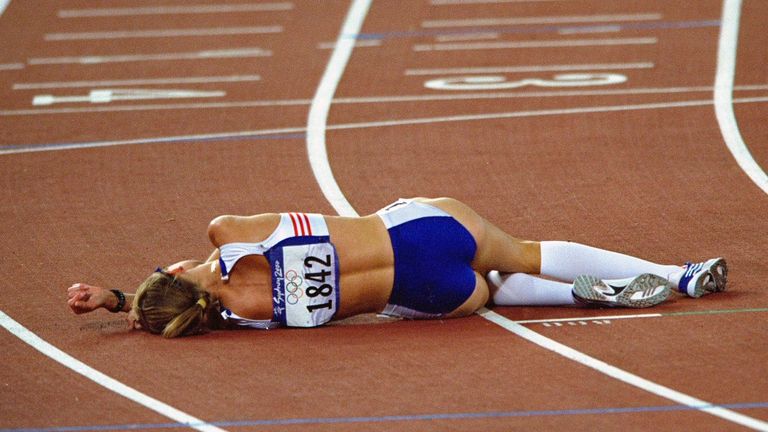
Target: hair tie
202,302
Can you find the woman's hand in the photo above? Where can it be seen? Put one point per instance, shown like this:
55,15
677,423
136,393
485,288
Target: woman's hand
83,298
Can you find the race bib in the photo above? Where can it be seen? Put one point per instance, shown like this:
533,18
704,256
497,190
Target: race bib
307,286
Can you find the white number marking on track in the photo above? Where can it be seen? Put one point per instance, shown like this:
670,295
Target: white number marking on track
497,82
111,95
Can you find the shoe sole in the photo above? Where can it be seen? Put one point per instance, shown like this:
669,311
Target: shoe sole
585,292
717,281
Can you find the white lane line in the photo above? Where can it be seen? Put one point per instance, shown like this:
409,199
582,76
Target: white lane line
156,140
160,107
479,22
11,66
535,44
109,83
364,125
175,10
109,383
531,68
196,55
467,36
161,33
726,69
474,2
596,318
590,29
358,44
376,100
520,114
622,375
321,104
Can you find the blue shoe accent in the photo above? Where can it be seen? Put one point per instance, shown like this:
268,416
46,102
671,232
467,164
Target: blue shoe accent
703,278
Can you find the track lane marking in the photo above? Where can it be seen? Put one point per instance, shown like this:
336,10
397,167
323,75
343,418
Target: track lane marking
558,43
103,83
194,55
321,104
11,66
161,33
474,2
379,99
649,315
402,417
175,10
529,68
622,375
590,29
467,36
101,379
290,132
480,22
723,95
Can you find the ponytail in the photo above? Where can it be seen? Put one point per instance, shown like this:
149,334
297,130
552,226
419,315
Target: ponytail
174,307
191,321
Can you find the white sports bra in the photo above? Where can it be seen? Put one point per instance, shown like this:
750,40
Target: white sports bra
304,266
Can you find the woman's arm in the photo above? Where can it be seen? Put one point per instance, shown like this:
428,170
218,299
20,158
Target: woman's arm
84,298
214,256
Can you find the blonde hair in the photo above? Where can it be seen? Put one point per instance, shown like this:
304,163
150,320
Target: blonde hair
174,307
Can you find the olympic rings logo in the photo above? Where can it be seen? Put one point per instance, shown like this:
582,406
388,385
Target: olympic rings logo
293,286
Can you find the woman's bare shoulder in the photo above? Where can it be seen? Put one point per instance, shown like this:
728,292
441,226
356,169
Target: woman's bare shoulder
231,228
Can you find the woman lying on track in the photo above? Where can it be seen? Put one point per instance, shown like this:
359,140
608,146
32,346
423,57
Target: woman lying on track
417,258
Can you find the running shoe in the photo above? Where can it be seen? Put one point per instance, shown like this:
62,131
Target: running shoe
638,292
703,278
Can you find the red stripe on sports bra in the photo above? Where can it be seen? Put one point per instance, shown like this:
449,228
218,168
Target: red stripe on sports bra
293,221
309,227
301,224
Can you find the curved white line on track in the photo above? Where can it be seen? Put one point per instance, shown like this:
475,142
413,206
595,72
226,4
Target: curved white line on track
321,167
83,369
321,104
92,374
726,69
622,375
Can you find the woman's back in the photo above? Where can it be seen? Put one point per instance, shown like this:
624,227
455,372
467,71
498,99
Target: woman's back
364,255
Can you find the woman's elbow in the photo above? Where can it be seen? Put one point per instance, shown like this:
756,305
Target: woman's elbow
218,227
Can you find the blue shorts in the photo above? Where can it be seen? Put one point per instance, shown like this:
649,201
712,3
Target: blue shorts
433,260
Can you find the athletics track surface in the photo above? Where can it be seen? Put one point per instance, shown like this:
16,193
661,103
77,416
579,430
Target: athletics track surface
125,128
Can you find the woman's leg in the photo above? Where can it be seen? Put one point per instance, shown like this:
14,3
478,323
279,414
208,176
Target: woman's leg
521,289
565,261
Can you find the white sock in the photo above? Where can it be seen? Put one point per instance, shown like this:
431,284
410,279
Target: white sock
520,289
567,260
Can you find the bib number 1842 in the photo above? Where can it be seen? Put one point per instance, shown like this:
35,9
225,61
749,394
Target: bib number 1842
318,270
